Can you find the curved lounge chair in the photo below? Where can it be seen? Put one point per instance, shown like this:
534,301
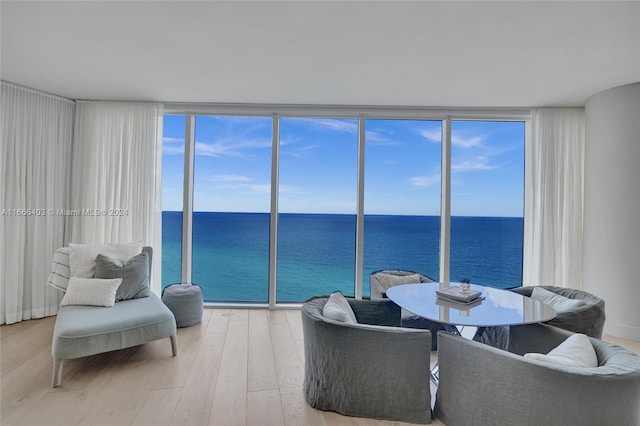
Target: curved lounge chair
480,384
381,281
586,319
370,369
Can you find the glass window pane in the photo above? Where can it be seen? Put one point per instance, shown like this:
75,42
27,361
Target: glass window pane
172,197
317,207
231,204
487,202
402,197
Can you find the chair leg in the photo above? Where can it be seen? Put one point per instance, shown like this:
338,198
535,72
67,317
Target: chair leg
174,344
57,372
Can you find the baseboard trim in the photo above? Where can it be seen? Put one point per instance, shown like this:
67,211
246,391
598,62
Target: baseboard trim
622,331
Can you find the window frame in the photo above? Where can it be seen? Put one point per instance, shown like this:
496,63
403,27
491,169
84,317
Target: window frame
361,113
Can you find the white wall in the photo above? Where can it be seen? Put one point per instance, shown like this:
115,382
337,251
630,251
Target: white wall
612,206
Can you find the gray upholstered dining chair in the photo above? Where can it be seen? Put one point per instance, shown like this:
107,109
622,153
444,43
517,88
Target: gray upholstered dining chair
586,319
480,384
380,281
347,366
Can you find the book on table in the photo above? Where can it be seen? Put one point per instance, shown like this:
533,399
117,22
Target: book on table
454,304
455,294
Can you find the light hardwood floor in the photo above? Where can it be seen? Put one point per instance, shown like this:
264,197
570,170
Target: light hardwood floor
237,367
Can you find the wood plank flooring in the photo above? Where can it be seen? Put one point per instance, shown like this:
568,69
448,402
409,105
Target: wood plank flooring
237,367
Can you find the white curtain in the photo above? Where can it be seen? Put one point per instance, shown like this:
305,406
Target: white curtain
113,174
554,201
34,163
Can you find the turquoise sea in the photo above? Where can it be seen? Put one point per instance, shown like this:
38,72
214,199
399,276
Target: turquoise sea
316,252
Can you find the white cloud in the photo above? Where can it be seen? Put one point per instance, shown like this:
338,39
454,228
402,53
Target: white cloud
373,137
168,140
230,147
211,150
477,164
289,140
236,183
422,181
301,152
286,189
172,145
433,135
468,142
228,178
169,149
333,124
262,188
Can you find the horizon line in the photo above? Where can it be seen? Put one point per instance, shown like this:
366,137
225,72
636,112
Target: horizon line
348,214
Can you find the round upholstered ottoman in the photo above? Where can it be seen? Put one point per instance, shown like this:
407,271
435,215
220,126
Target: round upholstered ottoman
185,301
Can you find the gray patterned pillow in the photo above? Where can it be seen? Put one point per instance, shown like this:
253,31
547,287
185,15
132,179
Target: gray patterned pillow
134,274
391,280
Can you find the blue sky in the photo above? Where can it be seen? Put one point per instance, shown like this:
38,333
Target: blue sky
318,166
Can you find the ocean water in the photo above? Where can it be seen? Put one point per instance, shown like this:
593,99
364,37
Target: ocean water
316,252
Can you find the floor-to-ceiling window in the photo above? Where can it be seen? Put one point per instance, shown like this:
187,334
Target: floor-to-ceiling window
317,207
402,197
487,197
231,204
287,207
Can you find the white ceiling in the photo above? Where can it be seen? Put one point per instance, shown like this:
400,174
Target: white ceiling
473,54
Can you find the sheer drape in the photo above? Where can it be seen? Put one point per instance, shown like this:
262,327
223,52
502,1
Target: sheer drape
34,164
554,204
113,172
88,177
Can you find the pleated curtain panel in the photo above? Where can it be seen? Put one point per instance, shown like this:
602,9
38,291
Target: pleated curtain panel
37,133
554,198
113,166
70,171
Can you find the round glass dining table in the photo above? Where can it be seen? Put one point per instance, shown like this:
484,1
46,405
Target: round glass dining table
497,308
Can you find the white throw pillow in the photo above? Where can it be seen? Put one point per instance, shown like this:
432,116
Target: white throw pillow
91,291
82,257
337,308
576,351
557,302
60,269
389,280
